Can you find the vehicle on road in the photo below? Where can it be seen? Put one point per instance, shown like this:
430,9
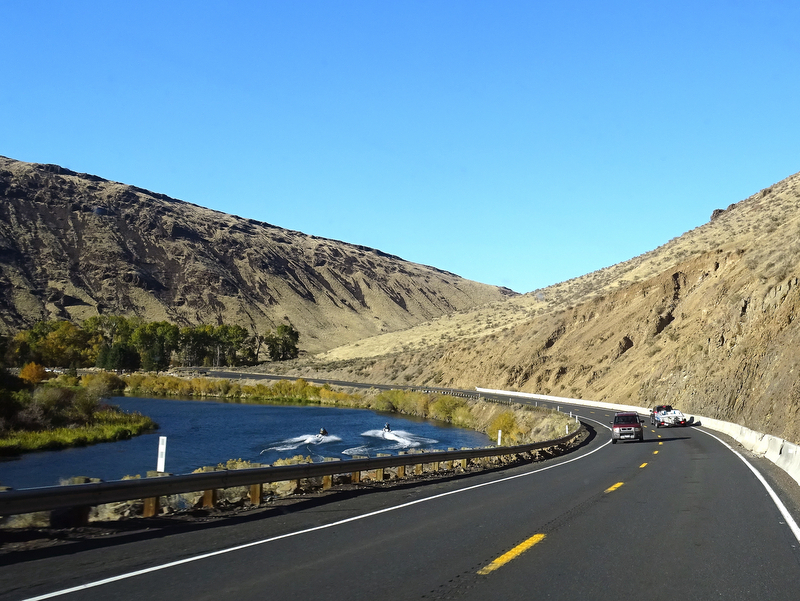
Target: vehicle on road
665,415
627,426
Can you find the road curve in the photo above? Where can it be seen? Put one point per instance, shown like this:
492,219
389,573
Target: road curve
677,516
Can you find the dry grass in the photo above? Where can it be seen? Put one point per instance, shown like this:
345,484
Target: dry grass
760,225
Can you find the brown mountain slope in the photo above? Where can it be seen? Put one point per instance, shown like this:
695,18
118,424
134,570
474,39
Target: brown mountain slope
75,245
706,322
751,220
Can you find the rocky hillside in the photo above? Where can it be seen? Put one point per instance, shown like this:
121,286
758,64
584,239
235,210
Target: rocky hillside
74,245
708,323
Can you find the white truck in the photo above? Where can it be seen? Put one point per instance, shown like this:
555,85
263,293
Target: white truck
665,415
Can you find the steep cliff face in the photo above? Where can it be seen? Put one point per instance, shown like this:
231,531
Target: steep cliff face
75,245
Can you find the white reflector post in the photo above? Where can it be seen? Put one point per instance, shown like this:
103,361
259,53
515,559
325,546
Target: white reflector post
499,438
162,453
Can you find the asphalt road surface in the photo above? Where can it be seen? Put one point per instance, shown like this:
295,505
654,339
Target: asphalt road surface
678,516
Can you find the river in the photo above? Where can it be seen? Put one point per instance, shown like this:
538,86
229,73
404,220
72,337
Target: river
201,433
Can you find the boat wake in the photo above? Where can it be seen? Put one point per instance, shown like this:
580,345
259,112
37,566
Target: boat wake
395,440
290,444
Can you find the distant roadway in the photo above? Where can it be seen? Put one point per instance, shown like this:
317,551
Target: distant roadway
678,516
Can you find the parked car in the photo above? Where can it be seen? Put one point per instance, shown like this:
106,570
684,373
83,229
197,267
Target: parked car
626,426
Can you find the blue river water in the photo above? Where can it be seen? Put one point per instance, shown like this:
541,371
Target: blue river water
201,433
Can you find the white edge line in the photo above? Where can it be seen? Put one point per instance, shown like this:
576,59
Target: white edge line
775,499
172,564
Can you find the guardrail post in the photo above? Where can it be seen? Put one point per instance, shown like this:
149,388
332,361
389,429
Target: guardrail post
401,469
256,491
72,517
151,504
436,466
210,497
151,507
355,477
327,481
464,462
380,473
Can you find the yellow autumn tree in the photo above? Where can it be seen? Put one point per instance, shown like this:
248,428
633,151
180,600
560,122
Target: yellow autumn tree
33,373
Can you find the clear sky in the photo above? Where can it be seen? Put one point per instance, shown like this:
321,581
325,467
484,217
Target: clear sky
513,143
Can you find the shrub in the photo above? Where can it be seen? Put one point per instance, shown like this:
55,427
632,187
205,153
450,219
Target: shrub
84,407
50,407
444,407
462,417
103,384
382,403
65,380
32,416
507,423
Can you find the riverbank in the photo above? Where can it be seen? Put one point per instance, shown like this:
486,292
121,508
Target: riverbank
519,424
109,425
65,412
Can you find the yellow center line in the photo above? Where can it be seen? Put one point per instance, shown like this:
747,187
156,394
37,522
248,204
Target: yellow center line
613,488
643,465
513,554
659,442
655,452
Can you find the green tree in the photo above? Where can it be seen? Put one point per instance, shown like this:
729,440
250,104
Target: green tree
26,346
10,386
119,356
106,331
65,345
51,343
283,344
113,328
155,343
195,344
229,341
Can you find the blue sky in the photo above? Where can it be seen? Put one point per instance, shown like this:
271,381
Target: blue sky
513,143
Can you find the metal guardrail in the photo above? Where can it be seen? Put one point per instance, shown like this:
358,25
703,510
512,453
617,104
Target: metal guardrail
97,493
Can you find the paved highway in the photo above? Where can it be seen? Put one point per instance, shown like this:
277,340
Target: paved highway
677,516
